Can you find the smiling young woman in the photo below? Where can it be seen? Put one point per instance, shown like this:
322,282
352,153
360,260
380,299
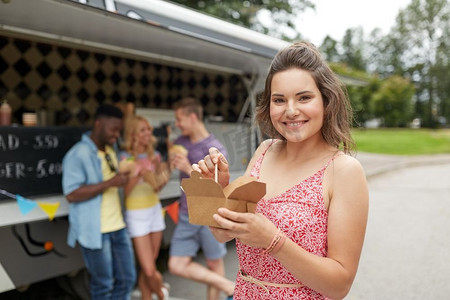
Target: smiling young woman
306,237
296,105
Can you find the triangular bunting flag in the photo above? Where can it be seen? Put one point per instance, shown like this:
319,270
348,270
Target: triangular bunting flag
49,208
172,210
25,205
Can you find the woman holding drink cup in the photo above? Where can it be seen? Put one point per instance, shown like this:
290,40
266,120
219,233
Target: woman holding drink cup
143,213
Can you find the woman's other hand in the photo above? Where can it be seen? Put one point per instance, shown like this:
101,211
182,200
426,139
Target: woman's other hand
254,230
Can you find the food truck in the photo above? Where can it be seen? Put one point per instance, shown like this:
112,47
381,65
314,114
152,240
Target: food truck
60,59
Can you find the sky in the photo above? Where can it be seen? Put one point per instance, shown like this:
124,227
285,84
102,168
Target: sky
334,17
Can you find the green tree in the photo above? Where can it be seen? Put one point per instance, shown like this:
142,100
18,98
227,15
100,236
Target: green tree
361,99
388,52
273,17
442,71
419,35
360,87
393,102
353,49
329,49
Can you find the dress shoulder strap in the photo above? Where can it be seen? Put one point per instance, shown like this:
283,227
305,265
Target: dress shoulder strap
273,141
257,166
337,154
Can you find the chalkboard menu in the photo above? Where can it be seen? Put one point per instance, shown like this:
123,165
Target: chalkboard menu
31,158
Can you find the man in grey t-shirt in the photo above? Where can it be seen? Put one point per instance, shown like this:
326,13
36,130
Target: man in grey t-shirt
188,238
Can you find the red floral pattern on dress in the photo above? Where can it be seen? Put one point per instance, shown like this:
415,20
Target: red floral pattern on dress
301,214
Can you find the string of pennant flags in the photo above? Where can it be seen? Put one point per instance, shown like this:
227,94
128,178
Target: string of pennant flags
26,205
50,208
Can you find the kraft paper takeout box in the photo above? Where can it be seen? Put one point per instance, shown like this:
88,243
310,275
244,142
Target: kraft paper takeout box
205,197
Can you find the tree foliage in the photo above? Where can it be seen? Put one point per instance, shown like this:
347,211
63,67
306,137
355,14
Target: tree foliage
352,48
392,102
272,17
422,25
329,49
417,49
361,99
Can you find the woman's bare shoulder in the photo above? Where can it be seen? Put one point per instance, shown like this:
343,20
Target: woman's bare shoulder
345,182
263,146
348,165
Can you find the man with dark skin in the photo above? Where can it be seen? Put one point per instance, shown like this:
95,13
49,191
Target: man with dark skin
91,184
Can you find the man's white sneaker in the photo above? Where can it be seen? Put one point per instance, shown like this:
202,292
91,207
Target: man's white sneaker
165,289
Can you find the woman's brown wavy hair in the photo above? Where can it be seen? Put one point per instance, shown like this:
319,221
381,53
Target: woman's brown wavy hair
338,114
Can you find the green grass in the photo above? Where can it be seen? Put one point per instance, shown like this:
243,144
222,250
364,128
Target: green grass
402,141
